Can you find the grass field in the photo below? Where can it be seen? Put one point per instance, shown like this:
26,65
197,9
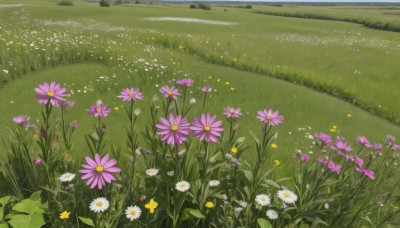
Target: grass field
322,75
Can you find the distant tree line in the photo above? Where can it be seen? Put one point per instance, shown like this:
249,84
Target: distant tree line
371,23
202,6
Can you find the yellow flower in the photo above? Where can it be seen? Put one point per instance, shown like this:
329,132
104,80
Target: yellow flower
227,83
209,204
232,89
349,115
116,108
277,163
218,80
210,77
181,46
234,59
333,128
151,206
234,150
65,215
274,145
12,102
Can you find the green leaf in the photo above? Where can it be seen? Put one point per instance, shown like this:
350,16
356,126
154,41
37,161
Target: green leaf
263,223
272,183
28,206
36,196
196,213
29,221
87,221
240,140
3,225
248,174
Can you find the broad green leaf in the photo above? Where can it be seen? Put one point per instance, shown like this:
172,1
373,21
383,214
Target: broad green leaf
263,223
196,213
3,225
28,206
87,221
240,140
27,221
36,196
248,175
271,183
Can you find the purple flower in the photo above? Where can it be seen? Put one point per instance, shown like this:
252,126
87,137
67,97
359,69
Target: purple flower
131,94
304,159
231,112
21,120
206,89
364,141
390,139
378,147
170,92
367,172
67,104
99,171
396,147
37,161
341,145
334,167
74,124
206,128
98,110
359,161
185,82
270,117
174,130
323,138
53,93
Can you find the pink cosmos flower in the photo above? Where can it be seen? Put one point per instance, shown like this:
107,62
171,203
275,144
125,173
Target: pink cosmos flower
206,89
185,82
99,171
396,147
231,112
378,147
170,92
21,120
174,130
341,145
304,159
323,138
270,117
359,161
53,93
74,124
367,172
330,164
99,110
131,94
206,128
364,141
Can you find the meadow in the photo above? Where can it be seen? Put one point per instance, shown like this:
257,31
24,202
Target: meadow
338,78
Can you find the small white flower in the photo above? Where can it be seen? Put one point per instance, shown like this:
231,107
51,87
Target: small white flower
272,214
5,71
238,209
192,101
99,102
99,205
133,212
182,186
263,200
287,196
326,206
151,172
214,183
137,112
66,177
171,173
243,203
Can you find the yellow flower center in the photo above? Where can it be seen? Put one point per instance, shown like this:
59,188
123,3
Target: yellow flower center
232,110
169,92
132,94
174,127
50,93
234,150
99,168
286,195
183,185
263,199
99,204
269,117
207,128
67,176
99,110
133,212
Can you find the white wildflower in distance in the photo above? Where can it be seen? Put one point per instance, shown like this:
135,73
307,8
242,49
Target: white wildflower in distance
272,214
214,183
287,196
133,212
171,173
243,203
263,200
326,206
137,112
99,205
67,177
151,172
182,186
192,101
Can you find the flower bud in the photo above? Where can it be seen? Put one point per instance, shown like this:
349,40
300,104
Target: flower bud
192,101
137,112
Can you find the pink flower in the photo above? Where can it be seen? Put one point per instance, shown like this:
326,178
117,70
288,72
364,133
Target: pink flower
131,94
364,141
21,120
323,138
185,82
341,145
231,112
170,92
367,172
74,124
270,117
67,104
174,130
359,161
99,110
206,128
390,139
206,89
304,159
53,93
378,147
99,171
396,147
334,167
37,161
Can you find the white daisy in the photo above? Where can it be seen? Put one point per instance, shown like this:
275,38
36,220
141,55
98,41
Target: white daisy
214,183
99,205
263,200
67,177
182,186
272,214
133,212
151,172
287,196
